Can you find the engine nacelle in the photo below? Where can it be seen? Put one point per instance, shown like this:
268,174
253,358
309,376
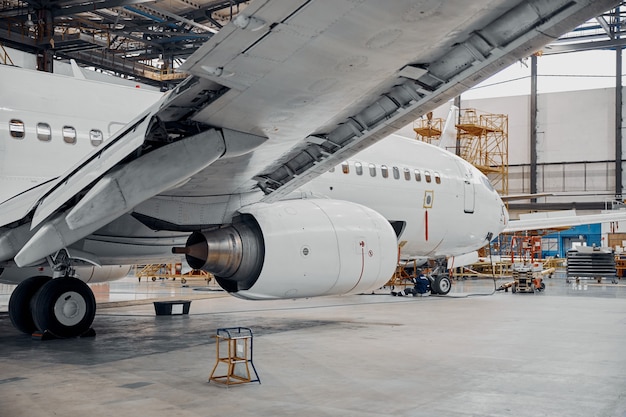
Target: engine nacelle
298,248
89,274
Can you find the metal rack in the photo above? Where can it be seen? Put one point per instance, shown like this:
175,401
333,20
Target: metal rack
238,358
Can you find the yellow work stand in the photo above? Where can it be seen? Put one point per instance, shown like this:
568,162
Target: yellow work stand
236,342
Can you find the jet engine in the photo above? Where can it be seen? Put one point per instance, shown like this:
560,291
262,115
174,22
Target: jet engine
296,249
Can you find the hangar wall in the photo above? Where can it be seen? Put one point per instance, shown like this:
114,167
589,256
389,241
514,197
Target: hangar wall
575,142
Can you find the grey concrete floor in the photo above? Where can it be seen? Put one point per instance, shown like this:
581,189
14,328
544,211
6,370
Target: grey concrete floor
558,353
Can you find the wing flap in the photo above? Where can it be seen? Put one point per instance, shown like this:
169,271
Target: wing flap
19,206
122,189
91,168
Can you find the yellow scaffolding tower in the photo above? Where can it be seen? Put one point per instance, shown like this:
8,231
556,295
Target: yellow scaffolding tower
484,142
166,271
4,56
428,129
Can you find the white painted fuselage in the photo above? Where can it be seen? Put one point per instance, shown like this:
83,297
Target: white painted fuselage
448,207
48,108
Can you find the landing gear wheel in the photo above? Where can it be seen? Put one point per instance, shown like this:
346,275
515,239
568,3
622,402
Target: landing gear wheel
441,285
20,301
65,307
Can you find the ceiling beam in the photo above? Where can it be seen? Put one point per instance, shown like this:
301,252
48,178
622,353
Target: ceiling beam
91,7
180,19
584,46
605,25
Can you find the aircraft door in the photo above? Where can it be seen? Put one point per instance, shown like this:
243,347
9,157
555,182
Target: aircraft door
469,198
469,195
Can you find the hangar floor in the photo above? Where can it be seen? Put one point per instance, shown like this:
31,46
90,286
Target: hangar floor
559,353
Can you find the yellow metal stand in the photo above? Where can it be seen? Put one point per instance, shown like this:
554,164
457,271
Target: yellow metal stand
238,359
173,271
428,129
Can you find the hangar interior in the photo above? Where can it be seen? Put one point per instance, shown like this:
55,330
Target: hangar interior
559,353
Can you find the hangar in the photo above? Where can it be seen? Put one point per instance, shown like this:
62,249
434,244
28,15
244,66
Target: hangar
497,355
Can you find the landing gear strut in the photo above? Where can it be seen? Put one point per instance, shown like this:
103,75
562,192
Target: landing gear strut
62,307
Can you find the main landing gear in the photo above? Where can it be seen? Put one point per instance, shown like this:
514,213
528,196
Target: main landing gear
437,281
62,307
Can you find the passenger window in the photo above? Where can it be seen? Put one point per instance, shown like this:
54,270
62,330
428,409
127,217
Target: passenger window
384,171
437,178
407,174
44,133
358,167
372,170
69,134
96,137
345,168
427,176
418,175
396,173
16,128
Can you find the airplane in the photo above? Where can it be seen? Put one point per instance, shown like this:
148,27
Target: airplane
262,166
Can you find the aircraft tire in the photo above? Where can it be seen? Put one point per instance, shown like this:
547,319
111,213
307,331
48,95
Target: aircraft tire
65,307
21,300
433,287
441,285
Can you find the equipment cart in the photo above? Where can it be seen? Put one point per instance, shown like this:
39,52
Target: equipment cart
526,281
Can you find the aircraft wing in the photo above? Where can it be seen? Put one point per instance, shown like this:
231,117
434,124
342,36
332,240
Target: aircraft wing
560,219
281,94
512,197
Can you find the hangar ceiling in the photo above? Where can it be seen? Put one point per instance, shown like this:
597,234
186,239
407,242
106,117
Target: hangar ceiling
148,39
141,38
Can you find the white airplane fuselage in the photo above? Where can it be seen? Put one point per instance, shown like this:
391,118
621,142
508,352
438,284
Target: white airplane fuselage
448,205
440,204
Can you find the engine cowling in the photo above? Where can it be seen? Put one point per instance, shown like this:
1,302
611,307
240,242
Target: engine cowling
89,274
298,248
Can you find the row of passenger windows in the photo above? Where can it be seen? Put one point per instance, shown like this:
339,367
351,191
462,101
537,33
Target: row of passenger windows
44,133
384,172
